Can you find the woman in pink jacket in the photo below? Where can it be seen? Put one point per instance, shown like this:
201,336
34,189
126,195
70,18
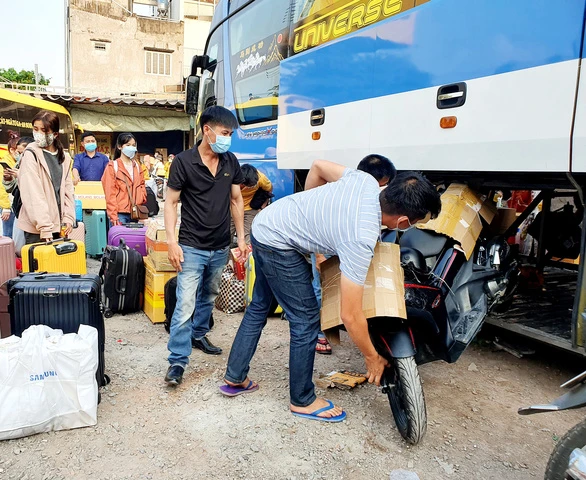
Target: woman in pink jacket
45,183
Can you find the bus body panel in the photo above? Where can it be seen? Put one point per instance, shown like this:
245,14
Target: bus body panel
579,139
519,60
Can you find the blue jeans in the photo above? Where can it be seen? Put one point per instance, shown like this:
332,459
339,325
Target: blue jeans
316,283
8,224
200,267
124,218
286,276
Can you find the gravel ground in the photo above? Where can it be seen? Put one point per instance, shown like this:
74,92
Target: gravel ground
148,431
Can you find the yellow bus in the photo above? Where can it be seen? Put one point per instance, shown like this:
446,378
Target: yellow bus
17,111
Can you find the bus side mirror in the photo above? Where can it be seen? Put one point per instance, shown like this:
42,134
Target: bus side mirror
191,94
199,61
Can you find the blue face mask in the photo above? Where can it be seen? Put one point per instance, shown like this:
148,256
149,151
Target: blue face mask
90,147
222,144
129,151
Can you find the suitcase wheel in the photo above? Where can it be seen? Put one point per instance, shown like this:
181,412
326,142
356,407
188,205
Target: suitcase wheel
108,313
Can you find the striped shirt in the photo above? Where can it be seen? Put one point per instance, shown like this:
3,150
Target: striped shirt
342,218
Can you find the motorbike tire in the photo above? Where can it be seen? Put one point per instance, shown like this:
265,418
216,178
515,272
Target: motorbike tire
560,457
406,399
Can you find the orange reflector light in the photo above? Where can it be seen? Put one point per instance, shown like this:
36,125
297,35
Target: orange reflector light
448,122
316,135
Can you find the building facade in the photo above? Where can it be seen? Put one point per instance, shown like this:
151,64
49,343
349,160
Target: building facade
120,47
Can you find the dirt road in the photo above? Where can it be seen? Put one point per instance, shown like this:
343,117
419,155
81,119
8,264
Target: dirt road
147,431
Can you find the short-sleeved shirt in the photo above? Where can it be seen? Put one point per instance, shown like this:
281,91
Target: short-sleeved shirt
341,218
205,199
248,192
90,169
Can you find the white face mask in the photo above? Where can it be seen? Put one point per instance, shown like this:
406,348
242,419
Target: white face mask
403,230
44,139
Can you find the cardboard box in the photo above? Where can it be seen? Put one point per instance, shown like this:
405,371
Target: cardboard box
154,291
384,290
156,246
91,195
503,219
155,312
460,216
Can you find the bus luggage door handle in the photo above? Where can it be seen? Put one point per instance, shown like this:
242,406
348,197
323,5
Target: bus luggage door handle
451,96
317,117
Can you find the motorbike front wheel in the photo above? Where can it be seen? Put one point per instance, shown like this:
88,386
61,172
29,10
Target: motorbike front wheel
560,457
405,392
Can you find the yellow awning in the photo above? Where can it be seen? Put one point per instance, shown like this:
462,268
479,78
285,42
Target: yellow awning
114,118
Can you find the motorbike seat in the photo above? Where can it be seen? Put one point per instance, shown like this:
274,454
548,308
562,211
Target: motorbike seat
429,243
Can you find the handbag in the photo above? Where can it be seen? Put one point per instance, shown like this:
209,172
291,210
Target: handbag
137,212
232,293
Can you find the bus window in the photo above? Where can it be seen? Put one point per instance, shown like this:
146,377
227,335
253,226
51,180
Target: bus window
316,22
215,54
8,122
215,47
258,43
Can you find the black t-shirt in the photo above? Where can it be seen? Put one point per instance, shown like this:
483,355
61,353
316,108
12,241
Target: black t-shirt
205,200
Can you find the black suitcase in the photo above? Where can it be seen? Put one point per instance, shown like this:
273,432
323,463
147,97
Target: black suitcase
59,301
170,302
122,275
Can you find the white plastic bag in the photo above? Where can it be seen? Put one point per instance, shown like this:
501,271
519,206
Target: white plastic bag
18,238
48,381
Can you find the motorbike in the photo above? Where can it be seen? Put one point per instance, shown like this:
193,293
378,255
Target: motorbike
562,463
447,297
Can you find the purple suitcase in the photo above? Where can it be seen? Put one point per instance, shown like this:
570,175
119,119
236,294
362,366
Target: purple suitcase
132,233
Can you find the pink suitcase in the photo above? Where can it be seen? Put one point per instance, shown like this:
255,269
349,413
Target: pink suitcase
133,234
7,260
7,271
78,233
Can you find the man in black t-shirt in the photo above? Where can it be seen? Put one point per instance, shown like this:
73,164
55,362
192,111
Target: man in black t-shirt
206,179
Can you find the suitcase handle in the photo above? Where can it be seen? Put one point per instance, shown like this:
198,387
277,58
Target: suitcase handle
121,284
66,247
134,225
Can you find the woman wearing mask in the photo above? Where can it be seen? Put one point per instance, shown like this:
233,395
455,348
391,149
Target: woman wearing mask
5,204
45,183
123,181
11,174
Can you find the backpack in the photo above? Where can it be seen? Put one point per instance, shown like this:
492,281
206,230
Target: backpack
17,200
260,197
152,203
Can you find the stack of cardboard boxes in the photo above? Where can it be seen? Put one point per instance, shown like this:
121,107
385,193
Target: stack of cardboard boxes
158,272
463,216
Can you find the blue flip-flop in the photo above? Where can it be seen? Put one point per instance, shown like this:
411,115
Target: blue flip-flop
314,415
